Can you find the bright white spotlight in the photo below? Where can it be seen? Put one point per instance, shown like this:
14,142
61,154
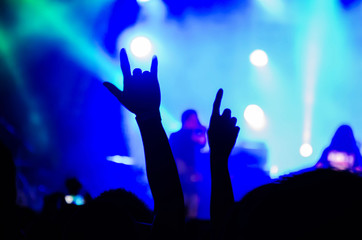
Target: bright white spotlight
306,150
143,0
274,169
255,116
258,58
141,47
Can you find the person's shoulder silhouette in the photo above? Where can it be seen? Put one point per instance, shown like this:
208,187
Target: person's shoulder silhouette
314,203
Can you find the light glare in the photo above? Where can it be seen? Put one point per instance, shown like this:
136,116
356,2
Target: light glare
69,199
306,150
141,47
121,159
274,169
258,58
255,117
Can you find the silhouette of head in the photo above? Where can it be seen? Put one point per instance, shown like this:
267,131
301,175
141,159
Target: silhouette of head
343,140
128,201
190,120
73,186
343,152
115,214
100,220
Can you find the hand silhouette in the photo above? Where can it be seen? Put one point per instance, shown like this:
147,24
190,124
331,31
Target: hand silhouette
141,96
141,91
222,132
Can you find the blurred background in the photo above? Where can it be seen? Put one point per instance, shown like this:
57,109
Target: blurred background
291,73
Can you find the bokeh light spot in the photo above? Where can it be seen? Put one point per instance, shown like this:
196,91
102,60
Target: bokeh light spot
258,58
141,47
255,117
306,150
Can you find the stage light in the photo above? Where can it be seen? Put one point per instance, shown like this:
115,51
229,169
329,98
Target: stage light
255,116
141,1
141,47
306,150
258,58
121,159
274,170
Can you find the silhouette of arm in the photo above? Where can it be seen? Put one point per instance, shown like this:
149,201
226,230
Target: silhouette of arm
222,135
141,96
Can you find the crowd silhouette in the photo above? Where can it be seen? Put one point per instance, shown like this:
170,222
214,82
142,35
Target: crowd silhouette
323,201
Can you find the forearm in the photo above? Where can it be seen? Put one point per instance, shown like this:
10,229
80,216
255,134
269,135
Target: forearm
161,168
141,95
222,197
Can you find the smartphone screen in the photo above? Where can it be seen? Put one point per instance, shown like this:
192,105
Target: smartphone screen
74,199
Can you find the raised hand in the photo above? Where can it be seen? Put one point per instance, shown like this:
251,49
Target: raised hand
222,135
223,131
141,91
141,96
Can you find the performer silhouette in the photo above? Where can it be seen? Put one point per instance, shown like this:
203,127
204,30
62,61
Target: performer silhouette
186,145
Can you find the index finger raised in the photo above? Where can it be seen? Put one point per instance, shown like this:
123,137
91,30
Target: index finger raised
217,103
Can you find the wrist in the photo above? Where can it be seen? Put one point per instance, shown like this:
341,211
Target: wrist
148,116
217,153
219,161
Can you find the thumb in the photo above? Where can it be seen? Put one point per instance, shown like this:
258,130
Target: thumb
114,90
